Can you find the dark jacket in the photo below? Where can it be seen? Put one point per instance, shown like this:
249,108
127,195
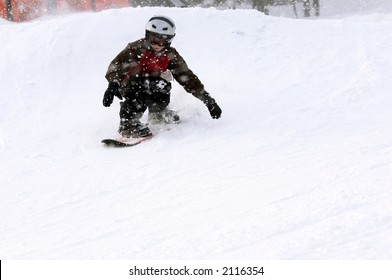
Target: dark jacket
138,60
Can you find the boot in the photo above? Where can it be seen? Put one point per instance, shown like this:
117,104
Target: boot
166,116
133,128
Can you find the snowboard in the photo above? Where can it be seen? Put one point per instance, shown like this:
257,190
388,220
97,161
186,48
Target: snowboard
125,142
156,128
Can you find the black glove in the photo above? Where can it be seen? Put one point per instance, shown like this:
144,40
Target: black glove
212,106
110,93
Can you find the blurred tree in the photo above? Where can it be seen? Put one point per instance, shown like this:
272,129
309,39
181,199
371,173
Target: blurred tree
316,6
261,5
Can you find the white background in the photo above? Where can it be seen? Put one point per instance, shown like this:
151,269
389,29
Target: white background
298,167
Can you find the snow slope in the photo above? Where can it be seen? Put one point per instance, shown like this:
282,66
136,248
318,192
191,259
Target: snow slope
298,167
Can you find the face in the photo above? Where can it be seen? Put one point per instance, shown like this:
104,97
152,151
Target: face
158,42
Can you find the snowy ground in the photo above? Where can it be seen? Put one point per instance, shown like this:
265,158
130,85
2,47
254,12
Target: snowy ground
298,167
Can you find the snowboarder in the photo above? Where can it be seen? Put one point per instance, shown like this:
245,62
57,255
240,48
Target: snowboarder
140,75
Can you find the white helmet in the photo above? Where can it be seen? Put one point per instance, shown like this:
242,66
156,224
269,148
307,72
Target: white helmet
161,26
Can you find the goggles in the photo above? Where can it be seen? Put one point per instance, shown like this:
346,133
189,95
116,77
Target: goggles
158,39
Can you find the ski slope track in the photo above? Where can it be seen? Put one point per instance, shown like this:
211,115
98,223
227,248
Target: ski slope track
298,167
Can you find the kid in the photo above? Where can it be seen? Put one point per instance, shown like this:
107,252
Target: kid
138,75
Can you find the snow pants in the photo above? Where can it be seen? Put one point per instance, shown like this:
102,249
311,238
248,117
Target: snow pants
143,93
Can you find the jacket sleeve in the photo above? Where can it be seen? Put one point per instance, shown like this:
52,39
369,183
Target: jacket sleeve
119,66
185,77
